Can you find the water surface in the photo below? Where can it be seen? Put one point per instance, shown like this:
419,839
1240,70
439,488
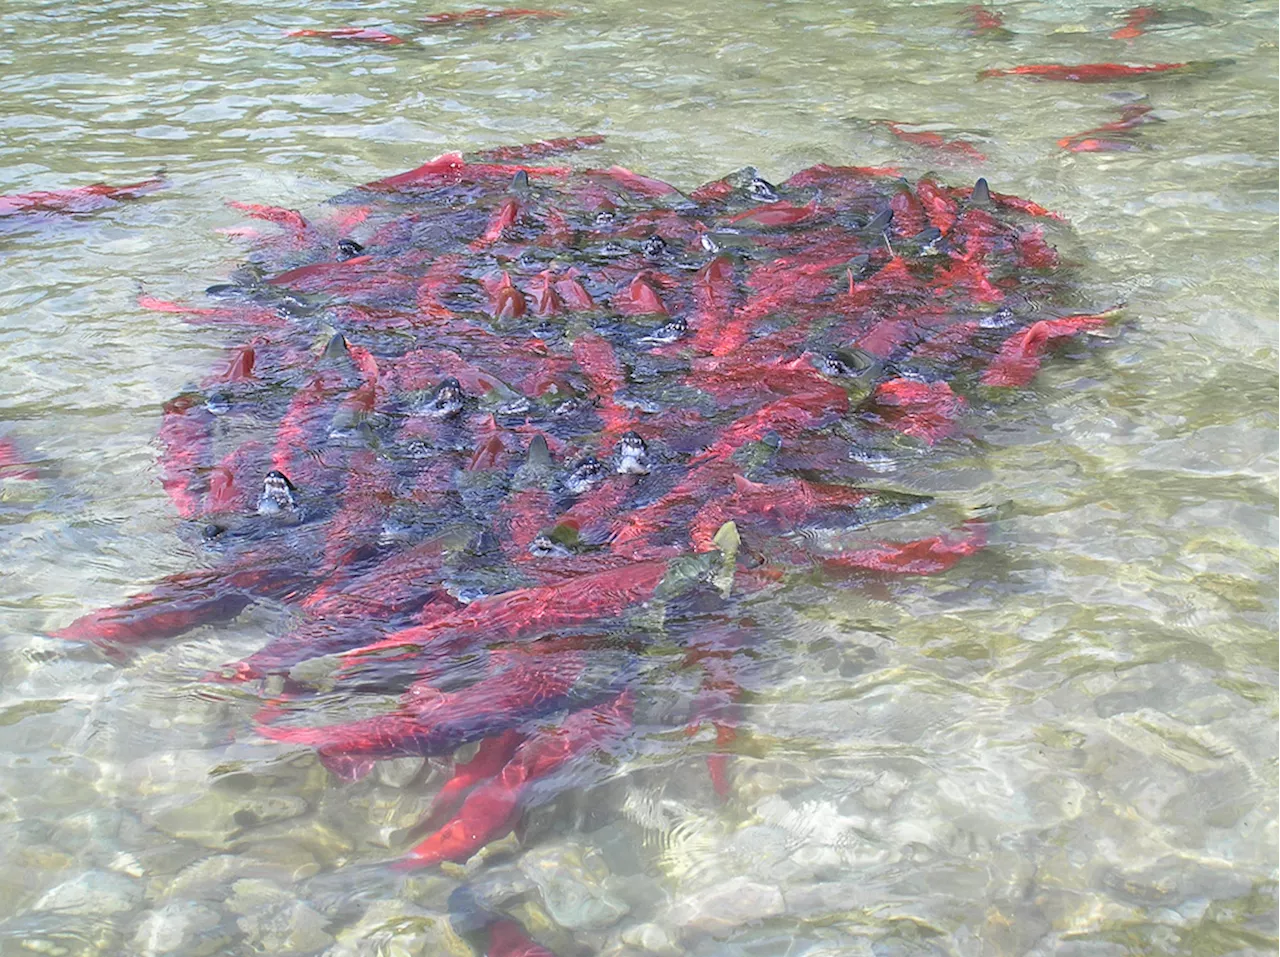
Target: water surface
1065,745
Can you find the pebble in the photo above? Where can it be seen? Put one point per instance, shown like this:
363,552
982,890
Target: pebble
59,935
651,938
375,814
209,878
167,772
273,922
398,772
93,893
181,929
391,928
216,819
574,886
725,906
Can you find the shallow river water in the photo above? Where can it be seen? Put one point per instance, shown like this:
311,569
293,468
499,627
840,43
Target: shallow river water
1066,744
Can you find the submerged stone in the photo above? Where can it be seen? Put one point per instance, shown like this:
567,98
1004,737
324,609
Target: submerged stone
93,893
727,906
391,928
274,922
182,929
574,886
216,819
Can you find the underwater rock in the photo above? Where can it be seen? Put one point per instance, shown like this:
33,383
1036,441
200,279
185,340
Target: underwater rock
181,929
59,935
652,939
728,905
208,879
399,772
573,883
217,819
274,922
93,893
397,928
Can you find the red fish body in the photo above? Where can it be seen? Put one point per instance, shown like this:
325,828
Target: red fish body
238,368
786,417
908,215
775,287
508,301
522,686
1095,140
640,299
935,141
369,489
482,15
450,169
345,612
528,612
302,427
508,939
574,294
1135,20
780,506
82,199
775,214
290,219
520,518
185,601
1085,72
635,183
590,515
1022,353
713,290
840,184
357,34
489,810
753,382
186,446
506,216
256,316
968,276
546,301
230,479
596,359
351,373
424,369
12,464
927,556
490,758
985,21
922,410
1099,144
538,150
938,206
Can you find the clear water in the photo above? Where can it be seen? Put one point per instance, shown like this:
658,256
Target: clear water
1066,745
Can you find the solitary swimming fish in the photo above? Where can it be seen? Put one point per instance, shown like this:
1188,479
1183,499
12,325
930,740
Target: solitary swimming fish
934,141
82,199
985,22
1134,21
361,34
1090,142
481,15
1097,72
13,465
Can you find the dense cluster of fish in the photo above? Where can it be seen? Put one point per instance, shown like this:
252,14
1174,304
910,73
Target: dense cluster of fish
514,441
